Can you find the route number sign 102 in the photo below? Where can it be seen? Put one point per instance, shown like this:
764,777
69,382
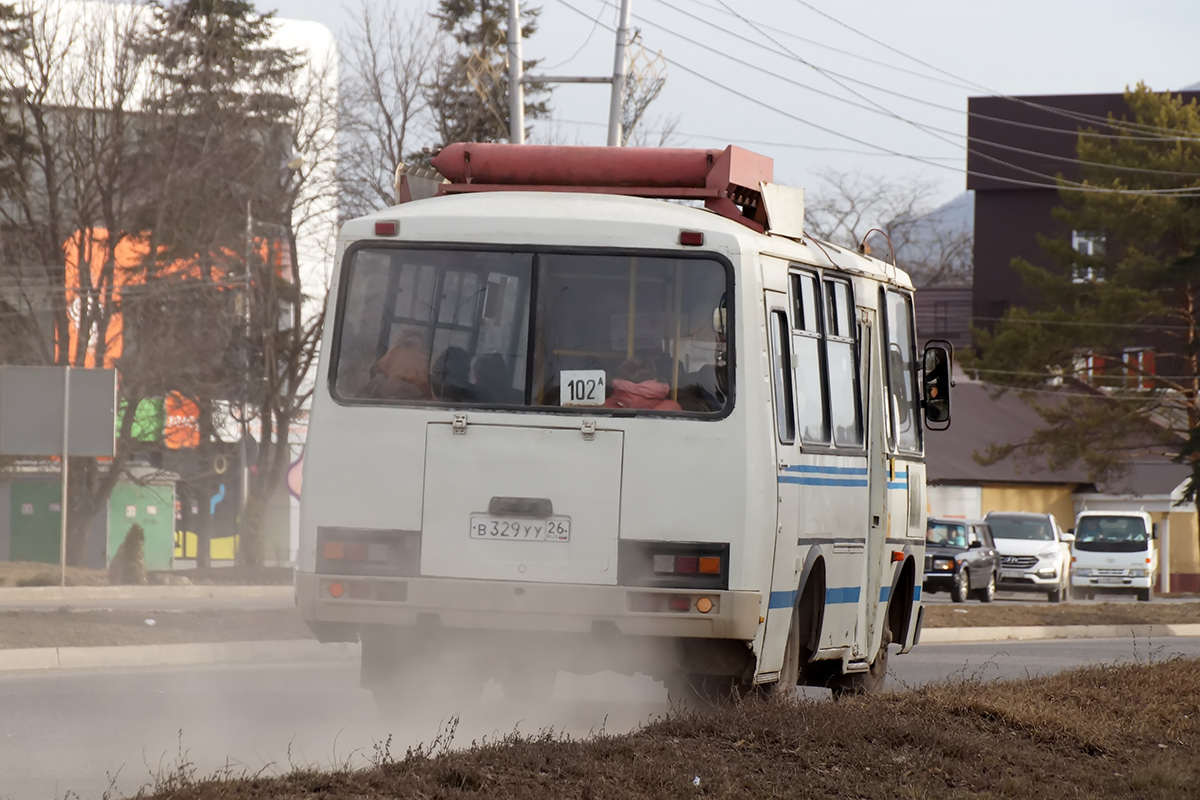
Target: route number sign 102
582,387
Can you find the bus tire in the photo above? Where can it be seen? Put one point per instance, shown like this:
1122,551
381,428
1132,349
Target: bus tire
789,674
868,682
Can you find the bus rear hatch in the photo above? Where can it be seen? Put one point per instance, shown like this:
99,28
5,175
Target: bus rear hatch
520,503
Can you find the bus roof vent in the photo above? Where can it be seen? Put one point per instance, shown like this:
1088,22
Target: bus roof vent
729,181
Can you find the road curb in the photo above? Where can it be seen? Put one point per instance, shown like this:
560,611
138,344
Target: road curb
68,594
164,655
1032,633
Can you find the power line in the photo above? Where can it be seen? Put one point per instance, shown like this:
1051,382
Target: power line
859,56
1175,133
1079,116
1082,324
1060,186
761,143
875,108
591,33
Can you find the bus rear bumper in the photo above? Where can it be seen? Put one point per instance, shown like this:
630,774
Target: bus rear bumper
506,606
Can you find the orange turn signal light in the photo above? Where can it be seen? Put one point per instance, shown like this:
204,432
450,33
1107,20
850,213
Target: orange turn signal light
897,556
710,565
336,590
704,605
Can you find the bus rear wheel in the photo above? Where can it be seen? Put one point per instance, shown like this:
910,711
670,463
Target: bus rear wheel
868,682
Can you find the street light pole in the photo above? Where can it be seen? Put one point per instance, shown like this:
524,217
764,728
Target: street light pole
516,91
245,450
620,75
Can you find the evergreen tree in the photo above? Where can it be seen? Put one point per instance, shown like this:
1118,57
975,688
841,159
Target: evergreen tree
14,142
469,94
1130,276
221,104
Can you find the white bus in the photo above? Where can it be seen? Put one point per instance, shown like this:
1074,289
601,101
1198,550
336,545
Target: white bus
563,425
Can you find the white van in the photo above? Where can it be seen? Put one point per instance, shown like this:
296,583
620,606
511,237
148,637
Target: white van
1113,551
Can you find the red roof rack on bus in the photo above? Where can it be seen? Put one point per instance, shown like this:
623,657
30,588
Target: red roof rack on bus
731,182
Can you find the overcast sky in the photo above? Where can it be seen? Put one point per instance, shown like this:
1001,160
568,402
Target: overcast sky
968,48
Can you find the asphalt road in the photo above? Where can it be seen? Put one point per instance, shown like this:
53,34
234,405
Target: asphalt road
84,731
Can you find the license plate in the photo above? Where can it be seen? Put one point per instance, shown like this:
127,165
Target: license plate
1012,573
1109,579
551,529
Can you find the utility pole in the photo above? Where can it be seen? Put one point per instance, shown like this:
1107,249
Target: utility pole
516,91
620,74
245,449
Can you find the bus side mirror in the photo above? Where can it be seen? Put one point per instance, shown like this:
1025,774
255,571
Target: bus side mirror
936,382
1154,530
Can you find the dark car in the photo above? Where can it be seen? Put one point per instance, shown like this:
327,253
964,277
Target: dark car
961,558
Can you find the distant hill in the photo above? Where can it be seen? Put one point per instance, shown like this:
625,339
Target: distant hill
936,248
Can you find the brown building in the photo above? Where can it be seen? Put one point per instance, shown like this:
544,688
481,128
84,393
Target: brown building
1015,149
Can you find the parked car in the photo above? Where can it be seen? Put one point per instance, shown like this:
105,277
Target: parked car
1035,553
961,558
1114,551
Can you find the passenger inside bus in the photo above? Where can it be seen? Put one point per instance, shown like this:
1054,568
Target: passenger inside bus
402,373
493,384
638,387
450,377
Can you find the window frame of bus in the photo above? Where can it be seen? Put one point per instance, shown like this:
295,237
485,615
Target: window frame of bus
343,281
893,433
797,272
781,375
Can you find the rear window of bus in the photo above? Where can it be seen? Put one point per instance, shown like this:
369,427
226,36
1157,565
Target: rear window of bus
627,333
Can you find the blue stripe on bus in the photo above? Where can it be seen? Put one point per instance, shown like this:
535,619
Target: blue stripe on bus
885,593
781,600
814,481
845,594
827,470
917,592
901,481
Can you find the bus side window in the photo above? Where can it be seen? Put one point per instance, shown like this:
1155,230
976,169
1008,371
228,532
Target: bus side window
781,374
841,354
900,362
809,359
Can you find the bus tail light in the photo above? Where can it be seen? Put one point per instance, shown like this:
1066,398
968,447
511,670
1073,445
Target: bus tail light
675,565
351,551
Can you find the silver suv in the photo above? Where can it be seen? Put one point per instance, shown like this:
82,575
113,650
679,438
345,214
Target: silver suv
1035,553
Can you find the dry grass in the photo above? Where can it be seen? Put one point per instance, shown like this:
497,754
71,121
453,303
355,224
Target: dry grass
974,615
30,573
1099,733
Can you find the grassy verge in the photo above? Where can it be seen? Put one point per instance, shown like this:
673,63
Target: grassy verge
65,628
27,573
1099,733
976,615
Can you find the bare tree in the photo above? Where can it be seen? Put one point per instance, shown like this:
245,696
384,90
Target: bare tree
73,207
852,209
389,58
289,346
